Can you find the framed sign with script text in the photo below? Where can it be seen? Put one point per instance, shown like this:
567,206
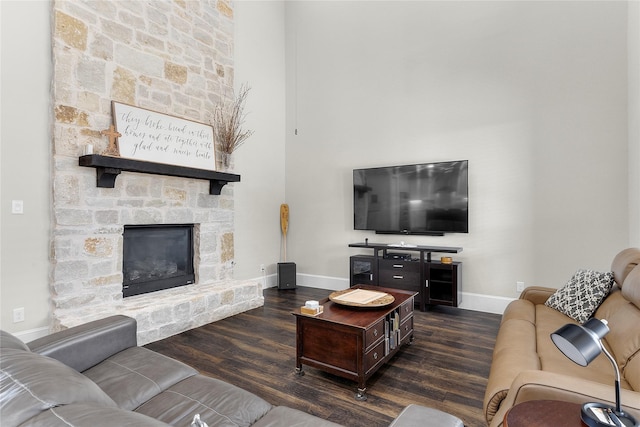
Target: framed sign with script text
160,138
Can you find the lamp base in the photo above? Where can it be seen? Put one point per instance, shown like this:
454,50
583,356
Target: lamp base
599,414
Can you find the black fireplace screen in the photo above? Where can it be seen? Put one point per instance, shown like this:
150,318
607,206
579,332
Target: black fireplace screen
156,257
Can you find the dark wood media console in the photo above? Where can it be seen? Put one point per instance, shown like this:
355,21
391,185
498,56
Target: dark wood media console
435,282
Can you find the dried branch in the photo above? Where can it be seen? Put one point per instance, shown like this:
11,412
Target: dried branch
227,122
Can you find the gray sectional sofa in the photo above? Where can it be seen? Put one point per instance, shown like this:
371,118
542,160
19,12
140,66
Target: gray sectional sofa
96,375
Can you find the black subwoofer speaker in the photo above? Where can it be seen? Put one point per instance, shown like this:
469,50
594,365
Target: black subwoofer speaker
286,275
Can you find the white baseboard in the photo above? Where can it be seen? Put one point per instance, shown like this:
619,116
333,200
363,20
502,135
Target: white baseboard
32,334
485,303
307,280
267,281
470,301
322,282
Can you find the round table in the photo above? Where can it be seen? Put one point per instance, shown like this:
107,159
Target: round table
544,413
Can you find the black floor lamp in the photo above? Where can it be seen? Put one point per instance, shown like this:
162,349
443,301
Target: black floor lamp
582,344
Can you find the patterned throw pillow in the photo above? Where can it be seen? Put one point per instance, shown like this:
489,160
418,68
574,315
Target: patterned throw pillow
582,295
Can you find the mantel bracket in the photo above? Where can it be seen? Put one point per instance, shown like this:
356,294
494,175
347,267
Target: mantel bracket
106,177
215,186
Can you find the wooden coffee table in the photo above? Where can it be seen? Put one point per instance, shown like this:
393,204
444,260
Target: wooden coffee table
354,342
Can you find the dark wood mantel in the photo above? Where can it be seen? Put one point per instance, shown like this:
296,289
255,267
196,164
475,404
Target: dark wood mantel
108,168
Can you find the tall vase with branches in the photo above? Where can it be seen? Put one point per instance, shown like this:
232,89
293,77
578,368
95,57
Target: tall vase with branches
228,118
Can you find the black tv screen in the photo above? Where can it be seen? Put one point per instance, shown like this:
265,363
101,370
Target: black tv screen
428,198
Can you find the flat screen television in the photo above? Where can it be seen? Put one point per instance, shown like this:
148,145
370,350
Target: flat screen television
427,199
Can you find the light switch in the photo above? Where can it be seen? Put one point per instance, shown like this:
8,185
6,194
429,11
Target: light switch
17,206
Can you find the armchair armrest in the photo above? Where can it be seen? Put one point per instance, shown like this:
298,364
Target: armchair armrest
543,385
537,294
84,346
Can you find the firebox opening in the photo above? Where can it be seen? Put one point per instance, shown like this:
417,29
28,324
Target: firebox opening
157,257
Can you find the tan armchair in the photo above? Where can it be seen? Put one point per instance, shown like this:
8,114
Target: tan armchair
527,366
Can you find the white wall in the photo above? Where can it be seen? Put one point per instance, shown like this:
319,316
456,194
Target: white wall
533,94
25,79
634,122
260,62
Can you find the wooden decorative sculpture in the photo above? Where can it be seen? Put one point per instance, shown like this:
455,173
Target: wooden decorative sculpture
113,134
284,225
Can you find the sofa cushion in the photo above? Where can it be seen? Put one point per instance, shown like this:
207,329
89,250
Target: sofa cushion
623,339
136,374
622,264
631,287
552,359
219,404
32,383
9,341
90,415
582,294
514,352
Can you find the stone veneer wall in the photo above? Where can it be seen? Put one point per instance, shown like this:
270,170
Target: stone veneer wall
174,57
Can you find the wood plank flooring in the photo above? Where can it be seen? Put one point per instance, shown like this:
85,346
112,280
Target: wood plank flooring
446,367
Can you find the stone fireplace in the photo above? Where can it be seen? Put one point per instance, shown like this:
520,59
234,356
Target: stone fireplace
173,57
88,251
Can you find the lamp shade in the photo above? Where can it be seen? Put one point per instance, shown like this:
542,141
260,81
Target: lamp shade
581,344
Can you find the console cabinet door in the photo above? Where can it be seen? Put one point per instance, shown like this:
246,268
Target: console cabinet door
443,283
364,270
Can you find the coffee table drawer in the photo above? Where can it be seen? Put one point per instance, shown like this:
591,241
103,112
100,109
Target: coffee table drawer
373,357
406,328
373,334
406,310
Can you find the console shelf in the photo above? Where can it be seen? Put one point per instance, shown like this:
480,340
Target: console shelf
108,168
437,283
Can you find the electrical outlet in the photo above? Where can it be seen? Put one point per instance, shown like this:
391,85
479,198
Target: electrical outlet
262,268
17,207
519,286
18,315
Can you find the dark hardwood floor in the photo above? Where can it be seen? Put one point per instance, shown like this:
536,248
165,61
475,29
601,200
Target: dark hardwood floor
446,367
